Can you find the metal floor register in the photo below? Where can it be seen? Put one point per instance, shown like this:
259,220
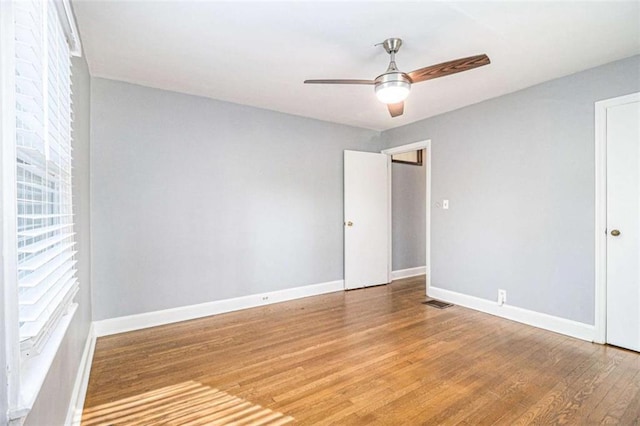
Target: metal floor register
437,304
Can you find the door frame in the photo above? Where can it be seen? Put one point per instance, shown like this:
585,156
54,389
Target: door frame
600,326
426,145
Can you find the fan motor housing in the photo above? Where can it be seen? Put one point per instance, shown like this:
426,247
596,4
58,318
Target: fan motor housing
393,76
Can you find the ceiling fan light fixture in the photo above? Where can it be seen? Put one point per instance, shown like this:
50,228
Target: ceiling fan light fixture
392,87
392,92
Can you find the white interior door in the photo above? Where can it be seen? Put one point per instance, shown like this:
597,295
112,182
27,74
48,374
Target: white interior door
366,217
623,225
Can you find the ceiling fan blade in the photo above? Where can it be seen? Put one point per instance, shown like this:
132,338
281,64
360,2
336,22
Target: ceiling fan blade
448,68
396,109
339,82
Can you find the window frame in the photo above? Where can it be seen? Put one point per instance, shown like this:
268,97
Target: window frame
9,195
23,376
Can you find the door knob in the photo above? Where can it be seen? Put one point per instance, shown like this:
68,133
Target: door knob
349,223
615,232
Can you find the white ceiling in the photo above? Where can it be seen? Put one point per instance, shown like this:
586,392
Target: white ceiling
258,53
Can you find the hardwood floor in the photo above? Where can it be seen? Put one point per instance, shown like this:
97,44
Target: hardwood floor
371,356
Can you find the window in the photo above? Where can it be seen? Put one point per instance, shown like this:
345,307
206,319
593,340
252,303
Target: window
39,281
46,278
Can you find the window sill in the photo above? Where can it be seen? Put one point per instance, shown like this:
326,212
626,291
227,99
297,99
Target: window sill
33,371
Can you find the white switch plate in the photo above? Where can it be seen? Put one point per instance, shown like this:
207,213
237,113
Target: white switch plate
445,204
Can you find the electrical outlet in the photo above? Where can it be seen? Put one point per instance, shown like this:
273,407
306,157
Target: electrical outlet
445,204
265,298
502,297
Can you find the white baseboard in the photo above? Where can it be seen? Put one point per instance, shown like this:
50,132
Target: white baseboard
184,313
410,272
548,322
74,413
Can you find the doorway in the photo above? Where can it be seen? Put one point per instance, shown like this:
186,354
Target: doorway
617,316
426,160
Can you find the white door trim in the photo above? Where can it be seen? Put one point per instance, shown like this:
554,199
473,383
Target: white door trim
601,210
426,145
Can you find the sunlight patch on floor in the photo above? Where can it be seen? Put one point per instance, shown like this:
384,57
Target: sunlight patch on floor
188,403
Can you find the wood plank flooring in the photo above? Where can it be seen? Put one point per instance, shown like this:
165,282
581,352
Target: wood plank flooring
371,356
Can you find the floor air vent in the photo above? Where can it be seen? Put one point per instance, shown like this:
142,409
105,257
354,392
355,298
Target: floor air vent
437,304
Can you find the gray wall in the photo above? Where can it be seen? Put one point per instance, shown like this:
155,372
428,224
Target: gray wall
53,400
519,173
195,200
408,215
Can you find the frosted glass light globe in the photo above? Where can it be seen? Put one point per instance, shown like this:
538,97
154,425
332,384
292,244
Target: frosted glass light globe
392,92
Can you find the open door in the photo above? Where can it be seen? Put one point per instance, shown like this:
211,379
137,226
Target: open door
366,219
623,225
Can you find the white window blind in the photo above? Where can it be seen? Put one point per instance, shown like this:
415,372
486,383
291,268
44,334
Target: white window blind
47,279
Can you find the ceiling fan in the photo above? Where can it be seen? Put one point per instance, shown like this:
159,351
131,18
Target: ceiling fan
393,86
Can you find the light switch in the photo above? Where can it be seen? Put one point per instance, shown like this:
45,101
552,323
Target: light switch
445,204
